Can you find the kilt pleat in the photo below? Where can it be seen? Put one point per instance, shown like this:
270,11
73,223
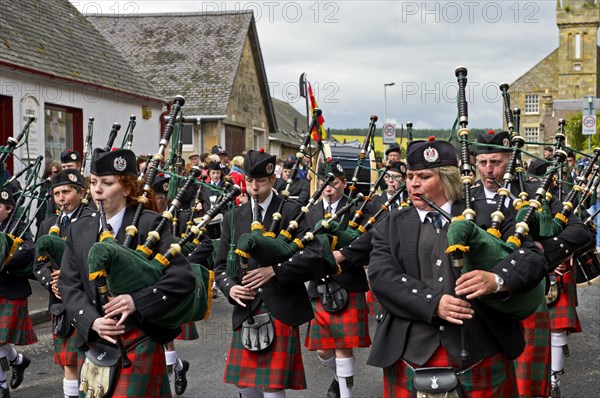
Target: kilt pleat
65,351
147,377
563,315
188,332
348,328
533,365
279,366
493,377
374,306
15,324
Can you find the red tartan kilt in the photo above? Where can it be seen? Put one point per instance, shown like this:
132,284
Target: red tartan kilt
533,365
348,328
147,377
563,315
279,366
15,324
374,306
492,378
188,332
65,352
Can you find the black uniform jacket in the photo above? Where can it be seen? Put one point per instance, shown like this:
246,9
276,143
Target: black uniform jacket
207,192
353,278
41,270
299,191
80,295
558,248
284,294
395,279
17,287
375,205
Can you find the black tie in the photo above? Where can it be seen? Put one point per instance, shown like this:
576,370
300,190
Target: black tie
328,211
393,205
257,212
435,219
64,223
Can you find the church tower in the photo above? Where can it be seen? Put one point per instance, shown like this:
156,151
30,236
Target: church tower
578,54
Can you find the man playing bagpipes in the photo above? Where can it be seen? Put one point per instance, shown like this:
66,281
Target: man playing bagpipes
394,179
423,317
300,188
533,366
68,190
211,193
126,319
17,265
266,297
336,330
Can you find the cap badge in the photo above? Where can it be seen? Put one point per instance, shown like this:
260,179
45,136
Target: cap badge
431,154
4,195
339,168
72,177
166,186
120,164
506,142
73,156
269,168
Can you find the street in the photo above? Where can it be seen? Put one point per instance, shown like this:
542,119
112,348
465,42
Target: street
207,360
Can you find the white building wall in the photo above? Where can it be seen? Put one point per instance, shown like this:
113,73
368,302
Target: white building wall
30,93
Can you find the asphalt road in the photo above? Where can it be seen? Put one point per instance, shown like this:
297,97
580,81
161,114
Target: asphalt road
207,359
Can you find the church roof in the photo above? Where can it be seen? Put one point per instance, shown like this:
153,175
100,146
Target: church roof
53,39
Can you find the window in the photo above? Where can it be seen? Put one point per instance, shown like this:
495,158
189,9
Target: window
531,103
259,139
577,46
532,134
63,128
187,137
577,68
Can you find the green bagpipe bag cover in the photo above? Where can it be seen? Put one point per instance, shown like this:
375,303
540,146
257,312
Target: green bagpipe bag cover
268,250
542,225
50,246
128,271
481,250
8,247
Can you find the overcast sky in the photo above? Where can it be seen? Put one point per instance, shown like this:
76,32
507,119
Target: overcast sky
349,49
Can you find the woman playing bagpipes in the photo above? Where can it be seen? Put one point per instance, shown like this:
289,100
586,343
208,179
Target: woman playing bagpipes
68,190
113,183
533,365
16,327
336,331
269,295
423,317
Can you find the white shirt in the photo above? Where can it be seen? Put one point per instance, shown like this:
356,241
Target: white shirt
264,205
334,205
116,221
447,207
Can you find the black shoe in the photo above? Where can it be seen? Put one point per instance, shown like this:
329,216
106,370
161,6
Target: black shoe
18,373
181,379
334,389
4,392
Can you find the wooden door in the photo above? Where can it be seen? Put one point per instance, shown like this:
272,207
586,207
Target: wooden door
235,140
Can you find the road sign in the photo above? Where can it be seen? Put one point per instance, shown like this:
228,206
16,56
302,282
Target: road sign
588,118
389,133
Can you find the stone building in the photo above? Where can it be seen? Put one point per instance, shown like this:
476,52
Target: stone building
568,73
214,60
291,128
55,66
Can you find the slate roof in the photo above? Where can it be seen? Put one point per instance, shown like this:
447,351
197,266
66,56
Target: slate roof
196,55
52,38
285,115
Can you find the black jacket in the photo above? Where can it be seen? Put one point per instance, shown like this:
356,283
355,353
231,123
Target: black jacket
284,295
394,275
13,287
80,296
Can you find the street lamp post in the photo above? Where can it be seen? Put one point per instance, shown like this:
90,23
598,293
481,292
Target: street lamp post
385,86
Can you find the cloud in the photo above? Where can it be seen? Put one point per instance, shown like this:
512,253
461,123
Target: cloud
349,49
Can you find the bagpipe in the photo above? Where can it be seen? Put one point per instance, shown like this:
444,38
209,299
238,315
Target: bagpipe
473,248
127,270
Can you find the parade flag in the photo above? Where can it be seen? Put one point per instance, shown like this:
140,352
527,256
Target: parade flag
320,134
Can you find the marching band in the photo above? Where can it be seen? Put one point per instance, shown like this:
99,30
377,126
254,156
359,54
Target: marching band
468,264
